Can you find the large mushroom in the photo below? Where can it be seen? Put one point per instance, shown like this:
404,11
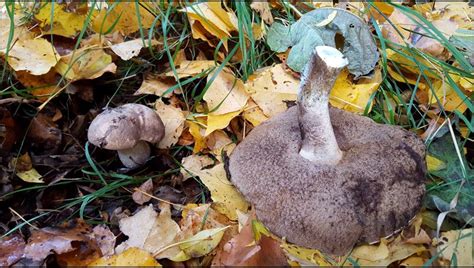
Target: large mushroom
325,178
127,129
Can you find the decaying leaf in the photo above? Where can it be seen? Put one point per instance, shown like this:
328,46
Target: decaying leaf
13,248
129,49
24,169
130,257
124,17
210,22
46,241
194,162
456,246
173,118
55,19
42,86
142,194
19,31
154,232
226,198
244,250
37,56
191,68
85,63
105,239
263,9
359,46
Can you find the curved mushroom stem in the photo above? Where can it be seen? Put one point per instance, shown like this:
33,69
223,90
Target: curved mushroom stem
319,143
135,156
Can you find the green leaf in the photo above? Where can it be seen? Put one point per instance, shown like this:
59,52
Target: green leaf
316,29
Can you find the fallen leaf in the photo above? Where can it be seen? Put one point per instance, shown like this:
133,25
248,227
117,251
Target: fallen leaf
13,248
226,93
385,253
434,164
85,63
442,94
211,20
198,134
124,17
55,19
48,240
457,244
413,262
191,68
36,56
359,46
263,9
254,114
226,198
129,49
173,118
24,169
130,257
156,85
200,244
221,121
304,256
138,195
155,232
20,31
194,162
105,239
41,86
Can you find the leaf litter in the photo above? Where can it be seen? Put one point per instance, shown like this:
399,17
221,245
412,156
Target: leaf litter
203,127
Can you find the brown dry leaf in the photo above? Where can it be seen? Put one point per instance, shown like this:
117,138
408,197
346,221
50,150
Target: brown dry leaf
263,9
157,85
56,19
219,143
155,232
210,21
123,17
243,250
105,239
24,169
459,243
9,130
226,94
129,49
12,249
42,86
226,198
138,195
191,68
46,241
36,56
173,118
85,63
131,257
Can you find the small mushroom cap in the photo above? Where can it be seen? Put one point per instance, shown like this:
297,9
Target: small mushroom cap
122,127
375,189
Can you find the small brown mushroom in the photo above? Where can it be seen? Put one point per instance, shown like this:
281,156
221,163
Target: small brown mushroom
326,178
127,129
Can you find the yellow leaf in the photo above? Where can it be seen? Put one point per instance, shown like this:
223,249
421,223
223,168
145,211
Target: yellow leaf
304,256
36,56
263,9
227,199
129,49
191,68
404,78
413,261
254,114
20,31
123,17
459,243
200,244
194,162
64,23
447,97
215,122
226,93
130,257
85,63
434,163
42,86
156,85
353,96
31,175
198,134
210,19
271,88
372,252
173,118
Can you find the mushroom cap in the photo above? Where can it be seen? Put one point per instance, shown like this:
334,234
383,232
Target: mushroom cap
122,127
375,189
